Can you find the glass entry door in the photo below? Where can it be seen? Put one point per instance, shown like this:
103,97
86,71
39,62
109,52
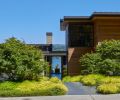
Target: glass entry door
56,67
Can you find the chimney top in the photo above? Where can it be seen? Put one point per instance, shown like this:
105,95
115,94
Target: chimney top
49,33
49,37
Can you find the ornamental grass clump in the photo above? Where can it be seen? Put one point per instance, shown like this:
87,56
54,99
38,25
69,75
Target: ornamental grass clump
55,80
67,79
72,78
33,88
8,85
91,79
108,79
109,85
109,88
76,78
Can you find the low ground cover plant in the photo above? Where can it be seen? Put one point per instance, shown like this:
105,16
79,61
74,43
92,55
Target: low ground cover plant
50,87
92,79
108,88
104,84
72,78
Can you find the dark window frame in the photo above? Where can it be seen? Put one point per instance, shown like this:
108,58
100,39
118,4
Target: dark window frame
75,33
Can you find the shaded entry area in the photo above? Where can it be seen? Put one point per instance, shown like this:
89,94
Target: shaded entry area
58,63
56,67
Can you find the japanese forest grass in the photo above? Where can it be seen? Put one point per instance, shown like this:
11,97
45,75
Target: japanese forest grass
104,84
33,88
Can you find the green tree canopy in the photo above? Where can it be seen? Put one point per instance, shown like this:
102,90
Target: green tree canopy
21,61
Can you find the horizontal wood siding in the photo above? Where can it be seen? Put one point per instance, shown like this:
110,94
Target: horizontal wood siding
74,55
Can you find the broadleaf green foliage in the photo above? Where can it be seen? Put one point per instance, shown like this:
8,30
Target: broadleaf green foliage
89,63
106,59
21,61
109,49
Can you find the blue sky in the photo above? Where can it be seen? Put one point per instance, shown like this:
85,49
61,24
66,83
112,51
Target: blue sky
29,20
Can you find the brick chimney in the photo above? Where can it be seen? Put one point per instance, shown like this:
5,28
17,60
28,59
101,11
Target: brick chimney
48,37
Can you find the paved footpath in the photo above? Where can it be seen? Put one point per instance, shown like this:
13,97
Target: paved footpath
67,97
76,88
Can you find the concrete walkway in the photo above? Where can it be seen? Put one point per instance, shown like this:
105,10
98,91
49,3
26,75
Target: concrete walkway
76,88
68,97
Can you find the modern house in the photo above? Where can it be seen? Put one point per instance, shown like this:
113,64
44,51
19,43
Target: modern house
55,55
83,33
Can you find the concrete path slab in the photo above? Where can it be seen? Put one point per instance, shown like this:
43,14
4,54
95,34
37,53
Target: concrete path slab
76,88
82,97
106,97
67,97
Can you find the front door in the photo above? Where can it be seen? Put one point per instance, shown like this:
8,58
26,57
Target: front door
56,67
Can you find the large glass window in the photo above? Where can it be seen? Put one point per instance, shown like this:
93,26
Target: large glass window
80,35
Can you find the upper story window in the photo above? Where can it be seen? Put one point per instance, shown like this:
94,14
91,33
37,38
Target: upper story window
80,35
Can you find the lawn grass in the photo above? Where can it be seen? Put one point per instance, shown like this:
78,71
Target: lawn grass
44,87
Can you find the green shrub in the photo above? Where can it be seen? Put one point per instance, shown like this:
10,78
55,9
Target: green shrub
109,67
21,61
106,59
89,63
109,49
108,88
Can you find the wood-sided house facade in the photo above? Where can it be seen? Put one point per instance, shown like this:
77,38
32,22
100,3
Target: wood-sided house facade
83,33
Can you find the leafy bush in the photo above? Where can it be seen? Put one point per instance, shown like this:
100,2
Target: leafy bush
106,59
20,61
108,88
109,67
109,49
89,63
